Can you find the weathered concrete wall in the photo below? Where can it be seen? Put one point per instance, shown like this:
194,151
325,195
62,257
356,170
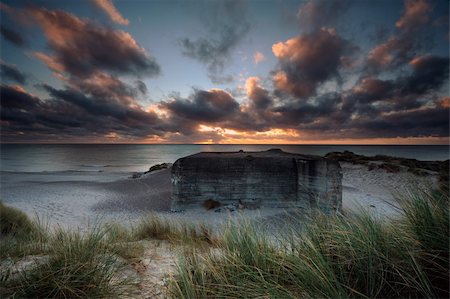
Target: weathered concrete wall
267,178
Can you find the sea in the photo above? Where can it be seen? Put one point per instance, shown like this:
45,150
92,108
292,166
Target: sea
110,161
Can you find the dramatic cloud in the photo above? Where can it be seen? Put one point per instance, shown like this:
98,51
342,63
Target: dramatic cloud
316,14
12,36
71,113
205,106
309,60
321,89
17,98
429,73
81,47
108,7
420,122
227,25
371,96
10,72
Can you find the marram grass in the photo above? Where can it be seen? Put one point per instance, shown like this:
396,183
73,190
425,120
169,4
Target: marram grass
352,256
333,256
64,264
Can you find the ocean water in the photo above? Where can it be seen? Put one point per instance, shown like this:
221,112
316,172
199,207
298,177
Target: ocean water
90,159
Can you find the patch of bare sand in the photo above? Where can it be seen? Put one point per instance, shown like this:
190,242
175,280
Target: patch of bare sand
154,268
375,189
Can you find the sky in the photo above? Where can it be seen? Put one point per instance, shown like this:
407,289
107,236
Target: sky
231,71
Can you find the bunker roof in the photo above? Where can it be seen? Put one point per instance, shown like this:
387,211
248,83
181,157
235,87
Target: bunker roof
271,153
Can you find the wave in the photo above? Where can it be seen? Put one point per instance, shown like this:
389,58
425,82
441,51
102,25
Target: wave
104,165
50,172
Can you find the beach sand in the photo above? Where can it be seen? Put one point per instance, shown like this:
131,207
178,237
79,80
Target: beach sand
81,203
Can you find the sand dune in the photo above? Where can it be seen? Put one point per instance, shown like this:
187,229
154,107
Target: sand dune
84,203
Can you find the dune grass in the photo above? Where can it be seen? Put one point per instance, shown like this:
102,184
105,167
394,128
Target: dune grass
333,256
336,256
19,235
155,227
77,266
14,222
60,263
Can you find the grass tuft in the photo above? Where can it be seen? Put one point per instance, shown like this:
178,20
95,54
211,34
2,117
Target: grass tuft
154,227
77,265
14,222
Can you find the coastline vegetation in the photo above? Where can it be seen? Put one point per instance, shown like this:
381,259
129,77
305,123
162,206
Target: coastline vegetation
334,256
357,255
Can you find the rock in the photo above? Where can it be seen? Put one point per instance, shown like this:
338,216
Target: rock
257,178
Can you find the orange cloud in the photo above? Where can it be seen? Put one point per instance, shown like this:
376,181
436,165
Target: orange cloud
381,54
108,7
82,47
250,84
416,14
444,102
258,57
50,61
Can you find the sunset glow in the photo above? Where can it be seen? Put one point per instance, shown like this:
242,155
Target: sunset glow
296,72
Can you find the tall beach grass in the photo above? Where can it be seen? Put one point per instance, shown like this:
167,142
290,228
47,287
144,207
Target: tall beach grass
37,263
356,255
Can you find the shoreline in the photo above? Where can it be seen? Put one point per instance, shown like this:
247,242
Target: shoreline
81,203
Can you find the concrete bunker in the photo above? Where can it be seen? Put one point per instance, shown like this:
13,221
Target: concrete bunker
269,178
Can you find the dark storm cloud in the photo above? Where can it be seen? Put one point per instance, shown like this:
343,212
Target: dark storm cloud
16,98
227,25
298,114
418,123
10,72
428,75
12,36
309,60
72,113
103,107
204,106
316,14
82,47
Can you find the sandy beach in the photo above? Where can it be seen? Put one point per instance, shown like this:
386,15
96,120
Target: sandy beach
80,202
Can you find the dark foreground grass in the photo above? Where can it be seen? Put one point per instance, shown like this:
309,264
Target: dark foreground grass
77,266
59,264
338,256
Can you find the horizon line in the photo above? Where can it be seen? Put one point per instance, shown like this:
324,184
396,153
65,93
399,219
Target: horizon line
281,144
